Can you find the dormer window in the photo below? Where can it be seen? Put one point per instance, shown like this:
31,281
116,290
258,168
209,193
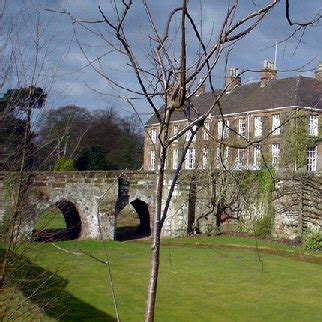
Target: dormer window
276,123
313,125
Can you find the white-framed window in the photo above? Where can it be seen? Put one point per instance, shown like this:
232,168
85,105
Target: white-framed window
205,158
313,125
189,134
242,127
258,126
152,160
276,123
226,129
223,131
220,129
222,154
175,131
205,131
240,159
175,158
311,158
275,155
190,158
257,157
154,135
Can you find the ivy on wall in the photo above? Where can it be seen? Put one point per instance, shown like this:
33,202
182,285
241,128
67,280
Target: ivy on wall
295,140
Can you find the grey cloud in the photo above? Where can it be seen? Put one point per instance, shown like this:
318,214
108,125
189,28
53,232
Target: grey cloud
72,77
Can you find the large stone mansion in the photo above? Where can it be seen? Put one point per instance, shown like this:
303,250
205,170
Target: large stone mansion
273,122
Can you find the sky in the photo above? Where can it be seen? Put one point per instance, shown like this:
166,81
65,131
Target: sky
54,51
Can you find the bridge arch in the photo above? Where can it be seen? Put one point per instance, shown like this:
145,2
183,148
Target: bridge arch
130,189
48,232
142,209
135,219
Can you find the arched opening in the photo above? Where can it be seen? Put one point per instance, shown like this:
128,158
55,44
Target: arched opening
58,223
133,222
142,210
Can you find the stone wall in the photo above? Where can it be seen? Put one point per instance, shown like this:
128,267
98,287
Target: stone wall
201,200
297,204
82,189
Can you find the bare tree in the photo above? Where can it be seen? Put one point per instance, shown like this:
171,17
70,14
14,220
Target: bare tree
168,74
26,79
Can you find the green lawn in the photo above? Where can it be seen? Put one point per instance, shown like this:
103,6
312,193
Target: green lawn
197,283
51,219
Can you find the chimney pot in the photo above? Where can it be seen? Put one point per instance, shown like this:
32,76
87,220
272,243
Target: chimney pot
268,72
318,72
232,80
201,89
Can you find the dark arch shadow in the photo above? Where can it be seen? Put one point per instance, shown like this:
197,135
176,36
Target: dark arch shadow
73,225
143,212
144,227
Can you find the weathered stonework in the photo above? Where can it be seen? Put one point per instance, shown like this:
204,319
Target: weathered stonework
297,204
82,189
197,205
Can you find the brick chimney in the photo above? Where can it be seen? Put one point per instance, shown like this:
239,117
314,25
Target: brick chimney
318,72
232,80
268,72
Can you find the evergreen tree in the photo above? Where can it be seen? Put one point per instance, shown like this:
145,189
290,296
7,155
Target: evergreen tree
92,159
16,137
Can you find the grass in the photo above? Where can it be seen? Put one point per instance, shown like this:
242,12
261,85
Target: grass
212,283
52,218
237,241
128,217
241,242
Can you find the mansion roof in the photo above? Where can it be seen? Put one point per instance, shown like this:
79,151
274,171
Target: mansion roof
289,92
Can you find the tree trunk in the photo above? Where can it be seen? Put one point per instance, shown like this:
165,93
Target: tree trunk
153,283
155,246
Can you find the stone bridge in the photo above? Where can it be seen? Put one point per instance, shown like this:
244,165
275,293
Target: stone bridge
87,198
76,195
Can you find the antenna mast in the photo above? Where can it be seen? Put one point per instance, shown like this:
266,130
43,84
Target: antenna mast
275,58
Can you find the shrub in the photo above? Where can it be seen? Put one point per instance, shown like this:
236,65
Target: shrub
312,240
242,227
63,164
263,226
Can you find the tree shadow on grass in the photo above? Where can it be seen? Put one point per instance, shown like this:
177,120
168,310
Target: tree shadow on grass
46,290
53,235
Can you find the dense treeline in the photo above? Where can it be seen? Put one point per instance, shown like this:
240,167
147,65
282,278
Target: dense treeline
98,140
67,138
